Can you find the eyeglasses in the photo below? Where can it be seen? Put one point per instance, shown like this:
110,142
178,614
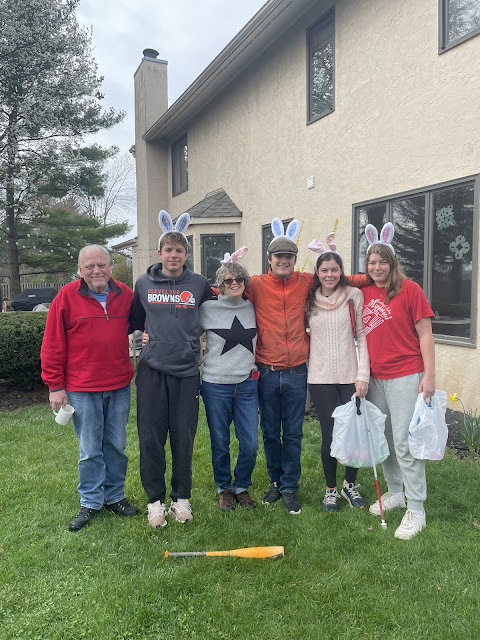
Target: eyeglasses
230,281
100,265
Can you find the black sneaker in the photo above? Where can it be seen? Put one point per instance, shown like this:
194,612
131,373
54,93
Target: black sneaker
123,508
84,515
353,497
272,495
330,500
291,502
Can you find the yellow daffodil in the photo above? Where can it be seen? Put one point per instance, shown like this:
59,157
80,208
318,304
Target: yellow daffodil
454,398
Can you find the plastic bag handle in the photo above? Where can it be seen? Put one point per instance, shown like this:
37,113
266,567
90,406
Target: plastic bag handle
357,402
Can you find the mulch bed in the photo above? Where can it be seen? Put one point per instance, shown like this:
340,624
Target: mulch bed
12,398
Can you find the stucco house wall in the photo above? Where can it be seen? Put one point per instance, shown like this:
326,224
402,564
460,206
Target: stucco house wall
405,118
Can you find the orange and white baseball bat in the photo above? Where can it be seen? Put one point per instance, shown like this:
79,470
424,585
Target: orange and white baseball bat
248,552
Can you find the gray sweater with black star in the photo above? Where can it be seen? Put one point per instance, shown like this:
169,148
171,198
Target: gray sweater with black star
231,339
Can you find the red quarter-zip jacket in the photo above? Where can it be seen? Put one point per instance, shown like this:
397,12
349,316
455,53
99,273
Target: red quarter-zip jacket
85,347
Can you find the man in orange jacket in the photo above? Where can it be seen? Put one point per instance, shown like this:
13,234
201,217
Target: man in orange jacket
281,354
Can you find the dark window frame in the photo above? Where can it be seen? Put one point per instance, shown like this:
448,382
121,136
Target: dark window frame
180,181
190,255
428,251
265,228
443,18
203,255
322,22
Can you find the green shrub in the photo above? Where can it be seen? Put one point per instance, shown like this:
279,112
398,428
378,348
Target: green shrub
21,334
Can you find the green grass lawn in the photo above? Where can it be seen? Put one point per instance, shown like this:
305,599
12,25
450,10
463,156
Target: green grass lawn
342,576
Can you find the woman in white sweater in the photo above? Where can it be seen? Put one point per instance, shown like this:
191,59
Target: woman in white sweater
333,373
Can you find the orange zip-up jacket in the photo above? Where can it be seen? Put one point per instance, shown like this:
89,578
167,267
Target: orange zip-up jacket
280,311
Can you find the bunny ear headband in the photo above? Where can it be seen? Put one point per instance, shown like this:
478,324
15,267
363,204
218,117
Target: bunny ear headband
317,247
386,235
166,224
291,233
235,256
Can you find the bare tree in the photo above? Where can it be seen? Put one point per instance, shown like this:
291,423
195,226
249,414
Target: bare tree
119,192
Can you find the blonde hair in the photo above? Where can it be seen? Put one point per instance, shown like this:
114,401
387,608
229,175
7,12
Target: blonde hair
395,278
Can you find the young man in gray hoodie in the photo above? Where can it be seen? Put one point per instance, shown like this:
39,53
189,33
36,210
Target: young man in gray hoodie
166,305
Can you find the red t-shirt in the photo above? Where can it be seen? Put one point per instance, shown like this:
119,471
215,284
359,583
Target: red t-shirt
392,340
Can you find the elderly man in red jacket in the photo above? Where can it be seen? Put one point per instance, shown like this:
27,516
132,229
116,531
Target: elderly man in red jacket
86,362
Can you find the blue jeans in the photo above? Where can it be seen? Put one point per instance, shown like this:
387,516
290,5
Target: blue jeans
225,403
281,397
100,424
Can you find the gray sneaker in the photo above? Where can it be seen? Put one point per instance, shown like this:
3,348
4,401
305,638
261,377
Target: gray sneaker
291,503
330,500
353,497
272,495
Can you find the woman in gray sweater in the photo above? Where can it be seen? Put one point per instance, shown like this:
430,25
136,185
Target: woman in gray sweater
229,381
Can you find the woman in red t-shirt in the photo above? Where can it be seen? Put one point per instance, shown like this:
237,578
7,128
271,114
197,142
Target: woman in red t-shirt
398,327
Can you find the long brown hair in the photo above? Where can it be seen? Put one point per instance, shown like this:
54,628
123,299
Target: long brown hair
393,285
343,282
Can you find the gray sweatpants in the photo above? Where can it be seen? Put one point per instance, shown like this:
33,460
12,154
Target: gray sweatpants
396,398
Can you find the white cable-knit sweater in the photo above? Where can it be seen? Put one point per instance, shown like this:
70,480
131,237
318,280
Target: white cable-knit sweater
332,349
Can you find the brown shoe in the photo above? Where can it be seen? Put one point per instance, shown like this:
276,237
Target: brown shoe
244,499
226,500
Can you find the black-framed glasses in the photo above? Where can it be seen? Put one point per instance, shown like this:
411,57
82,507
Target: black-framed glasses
230,281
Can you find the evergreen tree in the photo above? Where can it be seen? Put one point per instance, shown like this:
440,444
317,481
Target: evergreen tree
49,100
51,240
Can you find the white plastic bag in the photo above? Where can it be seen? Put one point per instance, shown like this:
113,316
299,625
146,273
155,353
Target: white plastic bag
350,438
428,432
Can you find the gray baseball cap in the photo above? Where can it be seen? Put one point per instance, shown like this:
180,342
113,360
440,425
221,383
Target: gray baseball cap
282,245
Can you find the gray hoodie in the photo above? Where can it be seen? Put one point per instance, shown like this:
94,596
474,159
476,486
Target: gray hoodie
168,310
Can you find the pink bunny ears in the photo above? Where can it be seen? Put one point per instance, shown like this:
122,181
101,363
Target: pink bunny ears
386,235
318,247
166,224
235,256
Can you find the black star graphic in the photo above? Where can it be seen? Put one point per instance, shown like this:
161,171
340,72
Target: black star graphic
237,334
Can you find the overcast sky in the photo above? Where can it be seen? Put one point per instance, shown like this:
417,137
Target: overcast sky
189,34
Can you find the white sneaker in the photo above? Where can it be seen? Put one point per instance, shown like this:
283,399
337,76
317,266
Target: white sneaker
157,514
390,501
412,523
182,510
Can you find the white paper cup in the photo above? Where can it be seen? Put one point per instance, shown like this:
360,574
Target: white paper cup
64,415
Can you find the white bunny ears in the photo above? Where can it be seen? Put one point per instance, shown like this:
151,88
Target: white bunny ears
166,224
291,233
386,235
318,247
284,241
235,256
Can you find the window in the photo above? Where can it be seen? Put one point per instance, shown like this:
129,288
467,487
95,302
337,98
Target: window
320,67
214,247
179,166
189,262
267,237
459,20
436,242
